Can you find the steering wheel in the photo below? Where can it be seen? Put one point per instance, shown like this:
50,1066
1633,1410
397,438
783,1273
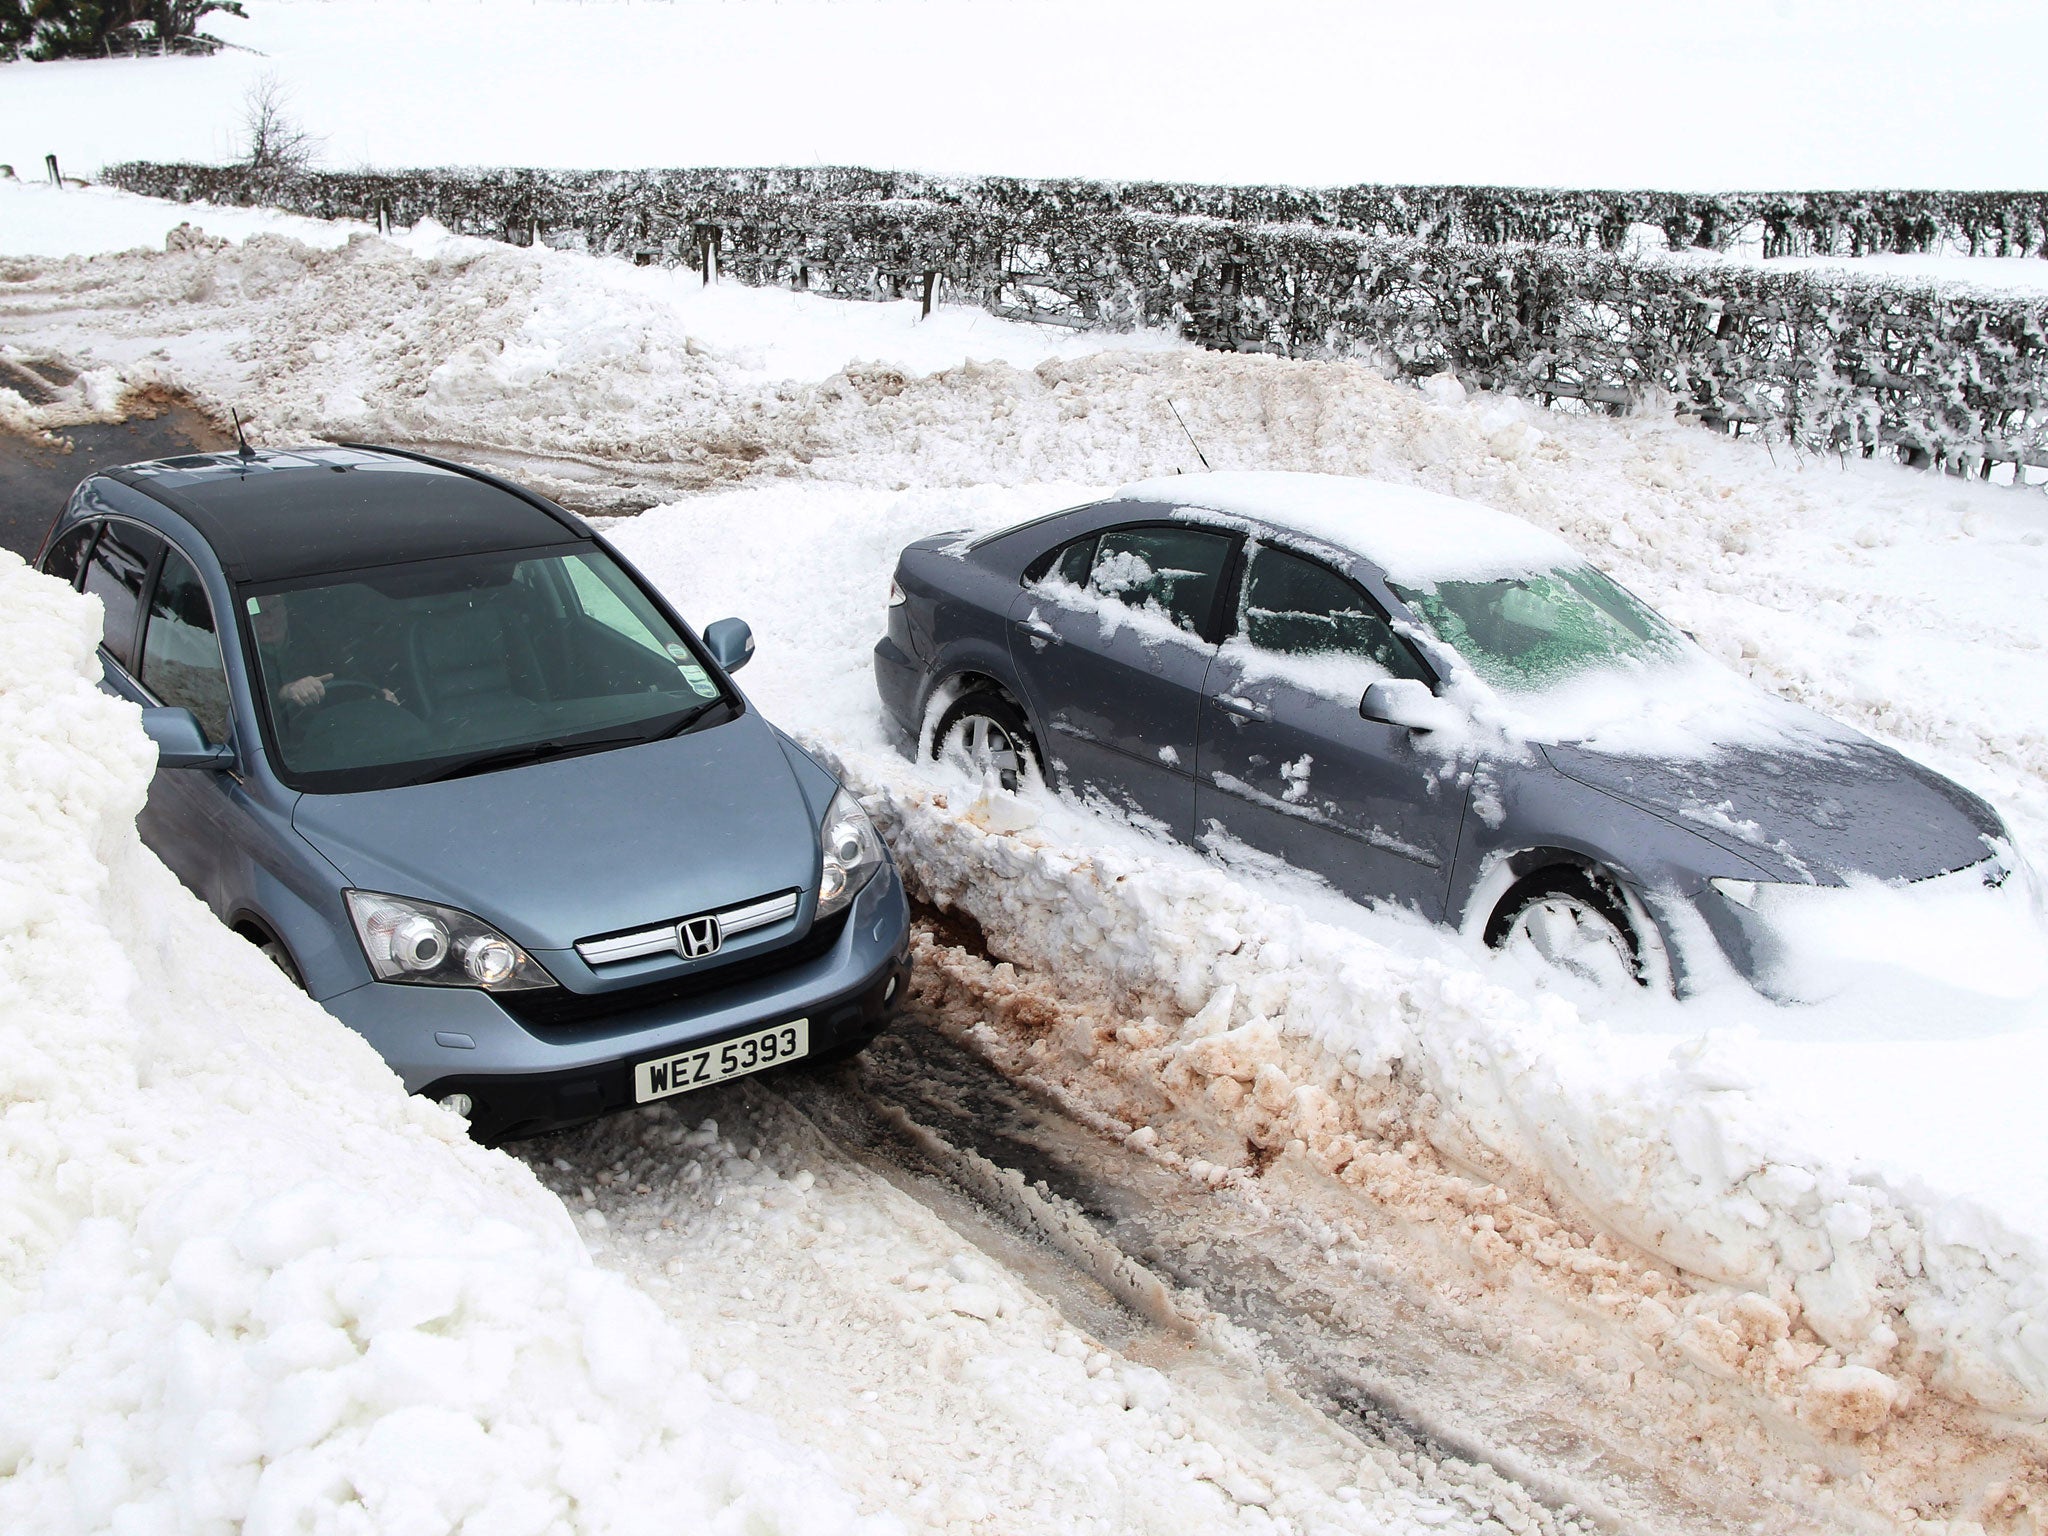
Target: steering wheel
350,687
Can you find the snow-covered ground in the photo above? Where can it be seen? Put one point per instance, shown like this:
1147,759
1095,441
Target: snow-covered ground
1837,1210
1754,93
245,1282
40,220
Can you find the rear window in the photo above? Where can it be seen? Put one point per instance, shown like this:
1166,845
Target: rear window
66,557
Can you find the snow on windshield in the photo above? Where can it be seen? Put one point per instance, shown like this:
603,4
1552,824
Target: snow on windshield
1413,535
1564,654
1526,632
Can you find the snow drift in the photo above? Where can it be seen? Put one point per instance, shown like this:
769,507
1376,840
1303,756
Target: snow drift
1838,1294
245,1281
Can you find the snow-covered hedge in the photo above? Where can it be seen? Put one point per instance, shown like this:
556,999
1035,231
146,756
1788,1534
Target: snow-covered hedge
1835,361
1787,223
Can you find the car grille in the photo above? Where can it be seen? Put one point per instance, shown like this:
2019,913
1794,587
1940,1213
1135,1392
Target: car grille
637,943
558,1006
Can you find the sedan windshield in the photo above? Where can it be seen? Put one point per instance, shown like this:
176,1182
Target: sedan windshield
1525,633
429,670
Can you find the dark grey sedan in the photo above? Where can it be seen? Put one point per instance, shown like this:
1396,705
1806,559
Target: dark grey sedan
1422,701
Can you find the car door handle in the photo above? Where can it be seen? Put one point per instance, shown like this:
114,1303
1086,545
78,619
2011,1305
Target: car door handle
1038,629
1244,709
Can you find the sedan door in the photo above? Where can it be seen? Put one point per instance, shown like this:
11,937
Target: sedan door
1113,646
1288,765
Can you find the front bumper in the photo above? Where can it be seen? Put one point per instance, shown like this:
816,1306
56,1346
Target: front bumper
524,1080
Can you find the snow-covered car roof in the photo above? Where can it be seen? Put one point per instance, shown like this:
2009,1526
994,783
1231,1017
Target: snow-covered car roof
1417,537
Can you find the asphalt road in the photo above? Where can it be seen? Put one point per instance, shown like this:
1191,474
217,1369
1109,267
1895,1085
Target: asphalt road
36,477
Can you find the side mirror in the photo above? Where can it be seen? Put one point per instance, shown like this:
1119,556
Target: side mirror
1405,702
730,642
180,743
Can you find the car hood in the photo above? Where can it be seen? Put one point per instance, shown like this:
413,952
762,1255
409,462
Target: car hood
561,850
1847,807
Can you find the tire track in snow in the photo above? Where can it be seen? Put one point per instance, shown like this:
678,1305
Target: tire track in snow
1321,1361
972,1350
1325,1325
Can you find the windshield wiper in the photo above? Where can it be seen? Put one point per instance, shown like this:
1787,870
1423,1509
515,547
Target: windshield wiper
537,751
531,752
685,720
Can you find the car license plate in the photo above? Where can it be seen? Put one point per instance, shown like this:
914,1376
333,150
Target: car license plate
703,1065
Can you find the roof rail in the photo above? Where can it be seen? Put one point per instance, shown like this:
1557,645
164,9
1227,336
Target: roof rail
559,513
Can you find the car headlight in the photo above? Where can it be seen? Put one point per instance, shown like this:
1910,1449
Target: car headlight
853,852
436,946
1742,892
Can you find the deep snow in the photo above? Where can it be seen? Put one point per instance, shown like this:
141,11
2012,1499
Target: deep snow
245,1282
1868,1168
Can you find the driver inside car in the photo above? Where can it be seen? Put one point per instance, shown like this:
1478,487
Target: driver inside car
289,652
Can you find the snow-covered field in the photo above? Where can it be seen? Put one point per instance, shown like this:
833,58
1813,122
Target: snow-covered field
1830,1219
1754,93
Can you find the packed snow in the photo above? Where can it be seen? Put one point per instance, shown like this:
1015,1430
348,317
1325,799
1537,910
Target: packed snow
245,1281
1770,93
1835,1208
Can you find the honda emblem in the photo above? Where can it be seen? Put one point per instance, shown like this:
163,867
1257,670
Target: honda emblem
697,937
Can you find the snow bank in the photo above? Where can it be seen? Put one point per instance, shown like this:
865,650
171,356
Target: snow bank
245,1281
1858,1292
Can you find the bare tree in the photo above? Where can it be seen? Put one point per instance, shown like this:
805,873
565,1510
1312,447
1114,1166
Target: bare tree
272,138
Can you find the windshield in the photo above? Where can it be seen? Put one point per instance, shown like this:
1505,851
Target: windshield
1526,633
415,672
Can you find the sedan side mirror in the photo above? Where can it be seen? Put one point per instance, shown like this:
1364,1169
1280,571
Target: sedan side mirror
1405,702
730,642
180,743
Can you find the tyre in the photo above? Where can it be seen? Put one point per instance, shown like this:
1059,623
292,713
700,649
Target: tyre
1573,921
280,957
986,734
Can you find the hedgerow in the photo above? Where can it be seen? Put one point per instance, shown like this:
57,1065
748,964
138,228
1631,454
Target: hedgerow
1533,292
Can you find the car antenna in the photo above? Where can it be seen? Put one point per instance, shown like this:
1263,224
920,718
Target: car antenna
1190,436
241,443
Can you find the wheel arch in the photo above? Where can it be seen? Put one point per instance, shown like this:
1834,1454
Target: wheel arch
1658,938
249,924
959,676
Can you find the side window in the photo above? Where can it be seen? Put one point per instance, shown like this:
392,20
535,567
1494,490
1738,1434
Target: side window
181,662
1176,570
1295,607
1063,562
119,563
1075,561
67,556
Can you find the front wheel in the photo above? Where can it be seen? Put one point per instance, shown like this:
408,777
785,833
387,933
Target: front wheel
280,957
1573,922
986,734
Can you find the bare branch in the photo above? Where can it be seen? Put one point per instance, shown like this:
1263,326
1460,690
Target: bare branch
272,139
